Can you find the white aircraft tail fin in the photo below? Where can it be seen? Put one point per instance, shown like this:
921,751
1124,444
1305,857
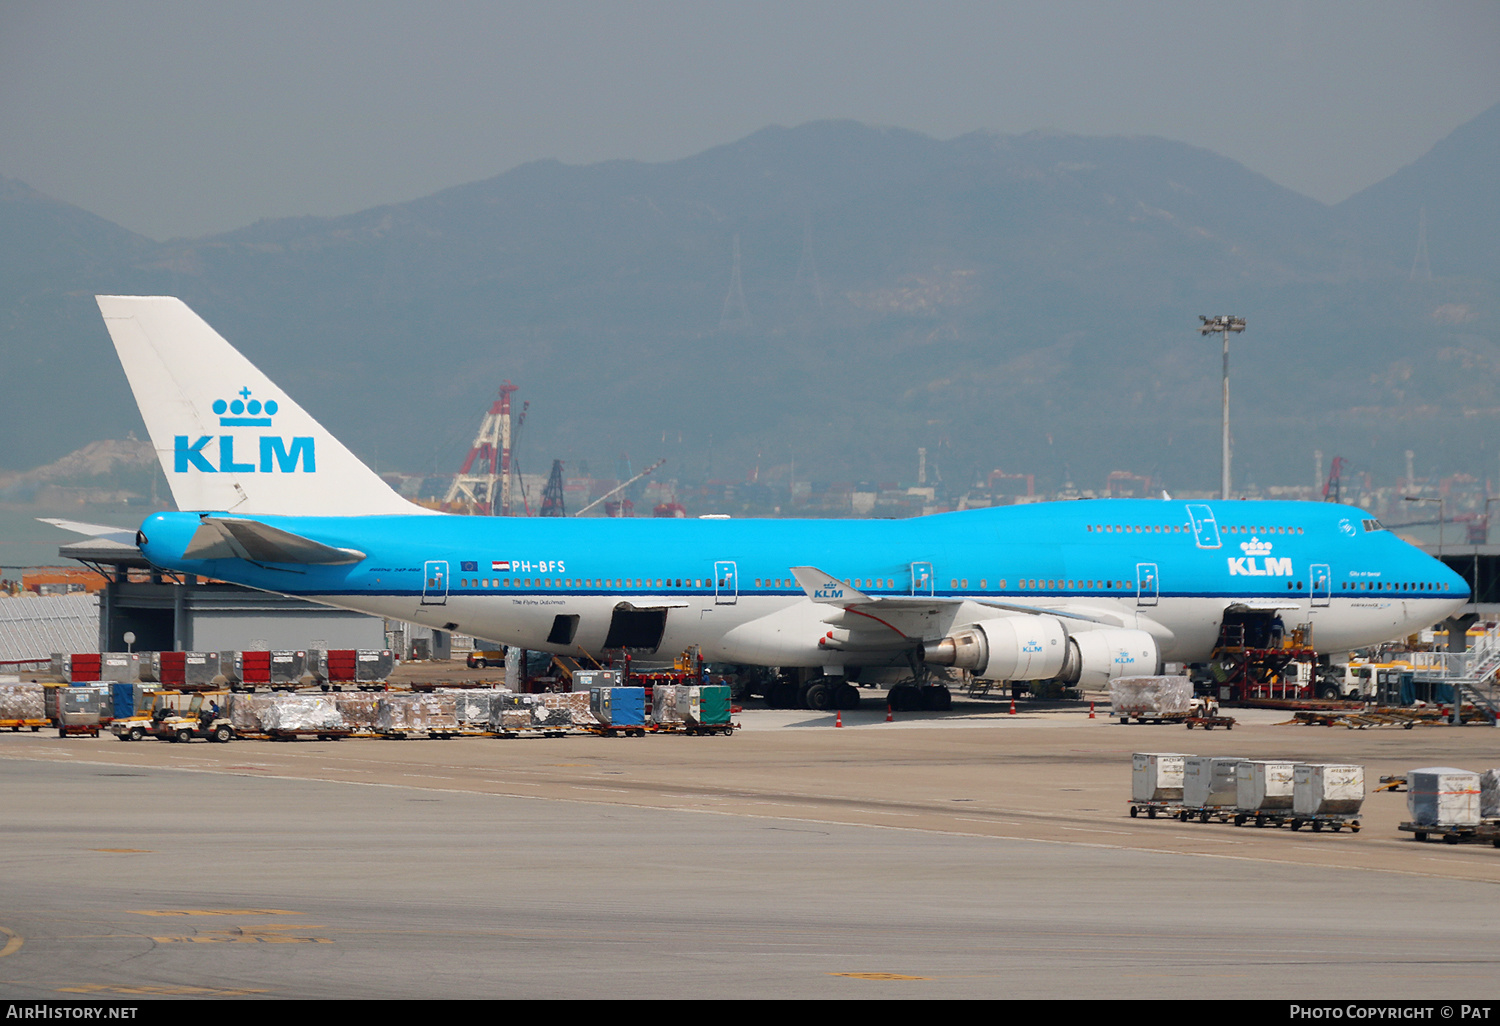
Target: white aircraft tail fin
228,439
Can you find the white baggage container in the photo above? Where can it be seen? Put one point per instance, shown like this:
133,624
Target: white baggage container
1263,785
1156,777
1327,789
1208,781
1443,796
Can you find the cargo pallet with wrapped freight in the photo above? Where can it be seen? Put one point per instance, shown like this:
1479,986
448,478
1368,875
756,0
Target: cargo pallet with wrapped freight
1163,700
21,707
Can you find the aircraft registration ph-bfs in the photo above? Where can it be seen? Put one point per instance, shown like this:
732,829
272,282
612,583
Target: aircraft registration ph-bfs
1074,591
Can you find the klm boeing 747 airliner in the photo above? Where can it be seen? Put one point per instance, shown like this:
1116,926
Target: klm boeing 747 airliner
1073,591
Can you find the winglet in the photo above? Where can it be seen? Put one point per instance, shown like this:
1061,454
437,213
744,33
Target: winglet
827,589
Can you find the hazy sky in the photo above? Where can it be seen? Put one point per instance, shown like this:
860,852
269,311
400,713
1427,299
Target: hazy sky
181,119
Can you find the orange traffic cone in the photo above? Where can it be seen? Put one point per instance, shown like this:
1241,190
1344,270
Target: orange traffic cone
838,719
1012,706
888,717
1091,710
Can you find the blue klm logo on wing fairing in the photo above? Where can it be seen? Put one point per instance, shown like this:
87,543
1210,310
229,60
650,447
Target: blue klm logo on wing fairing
276,454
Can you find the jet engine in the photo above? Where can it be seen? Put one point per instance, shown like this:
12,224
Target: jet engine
1098,657
1010,648
1040,648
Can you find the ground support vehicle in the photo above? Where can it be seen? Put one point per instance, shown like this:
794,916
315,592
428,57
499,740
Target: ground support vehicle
1154,809
133,728
1209,722
480,659
187,728
1488,831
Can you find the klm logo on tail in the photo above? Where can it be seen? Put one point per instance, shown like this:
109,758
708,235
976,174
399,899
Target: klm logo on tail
276,453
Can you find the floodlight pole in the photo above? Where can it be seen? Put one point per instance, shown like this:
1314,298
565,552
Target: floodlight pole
1223,325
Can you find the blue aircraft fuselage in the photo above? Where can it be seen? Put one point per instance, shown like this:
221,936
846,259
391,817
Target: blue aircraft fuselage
726,585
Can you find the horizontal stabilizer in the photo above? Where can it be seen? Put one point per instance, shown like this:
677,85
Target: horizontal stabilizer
116,534
221,538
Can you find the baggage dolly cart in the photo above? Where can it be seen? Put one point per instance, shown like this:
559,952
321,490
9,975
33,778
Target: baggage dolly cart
285,734
610,731
1209,722
1334,821
1154,809
1487,831
1222,813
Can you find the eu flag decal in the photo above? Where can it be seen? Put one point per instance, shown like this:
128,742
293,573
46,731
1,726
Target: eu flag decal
469,566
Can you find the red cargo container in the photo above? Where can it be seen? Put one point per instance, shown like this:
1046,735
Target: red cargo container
255,667
343,664
84,666
173,668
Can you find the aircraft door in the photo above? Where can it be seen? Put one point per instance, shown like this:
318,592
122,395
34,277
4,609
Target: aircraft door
921,579
1146,587
1322,584
726,583
1205,528
435,582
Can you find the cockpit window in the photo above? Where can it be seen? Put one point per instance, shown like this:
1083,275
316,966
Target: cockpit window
1373,525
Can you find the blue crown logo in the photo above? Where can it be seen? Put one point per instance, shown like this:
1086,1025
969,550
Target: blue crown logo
259,414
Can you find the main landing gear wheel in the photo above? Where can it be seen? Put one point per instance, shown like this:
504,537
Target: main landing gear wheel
819,696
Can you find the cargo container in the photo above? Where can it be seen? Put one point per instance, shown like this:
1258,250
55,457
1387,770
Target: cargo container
1443,796
81,711
619,710
1327,794
1155,782
1263,791
1209,788
704,708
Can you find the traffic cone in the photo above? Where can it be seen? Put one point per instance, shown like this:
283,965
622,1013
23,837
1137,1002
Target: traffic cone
1091,710
1012,706
838,719
888,717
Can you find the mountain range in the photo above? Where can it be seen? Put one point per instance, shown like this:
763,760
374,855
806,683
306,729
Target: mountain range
1026,302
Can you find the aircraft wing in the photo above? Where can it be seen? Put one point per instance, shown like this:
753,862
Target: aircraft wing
229,538
908,614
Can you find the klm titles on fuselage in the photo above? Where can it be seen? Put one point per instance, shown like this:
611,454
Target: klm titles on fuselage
1244,566
275,452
